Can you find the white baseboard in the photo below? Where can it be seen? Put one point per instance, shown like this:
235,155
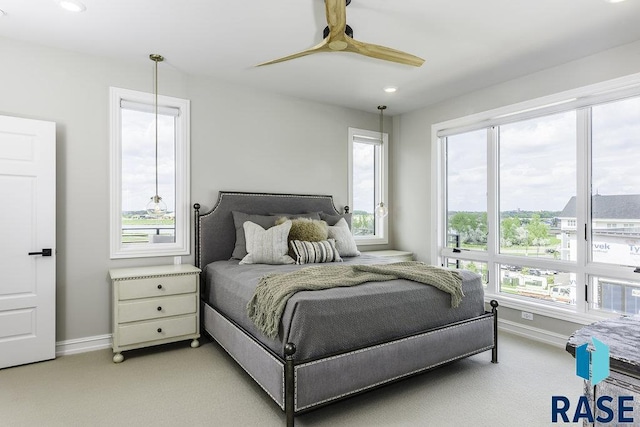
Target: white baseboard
547,337
82,345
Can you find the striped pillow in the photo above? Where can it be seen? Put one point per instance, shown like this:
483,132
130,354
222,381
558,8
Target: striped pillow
313,252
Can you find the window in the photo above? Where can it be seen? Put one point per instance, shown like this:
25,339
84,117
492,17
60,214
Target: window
134,233
537,170
476,267
367,185
466,192
545,199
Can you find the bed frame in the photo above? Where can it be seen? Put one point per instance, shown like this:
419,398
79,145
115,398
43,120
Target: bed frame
299,387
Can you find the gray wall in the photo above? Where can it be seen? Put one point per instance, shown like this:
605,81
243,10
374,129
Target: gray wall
241,139
411,186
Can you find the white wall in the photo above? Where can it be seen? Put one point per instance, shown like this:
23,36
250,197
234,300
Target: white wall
411,185
241,139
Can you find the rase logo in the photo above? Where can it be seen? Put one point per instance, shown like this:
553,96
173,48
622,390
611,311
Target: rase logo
593,366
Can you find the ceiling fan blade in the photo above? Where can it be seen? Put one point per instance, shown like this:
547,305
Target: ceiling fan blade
336,18
382,52
321,47
338,40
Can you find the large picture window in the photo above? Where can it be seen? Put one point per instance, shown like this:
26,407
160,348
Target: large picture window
466,163
367,185
134,232
547,200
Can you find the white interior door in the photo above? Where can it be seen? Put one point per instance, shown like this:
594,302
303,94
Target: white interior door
27,225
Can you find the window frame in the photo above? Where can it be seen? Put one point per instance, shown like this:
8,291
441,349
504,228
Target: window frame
182,244
381,236
581,100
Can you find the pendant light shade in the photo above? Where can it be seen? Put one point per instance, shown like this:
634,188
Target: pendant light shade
381,210
156,208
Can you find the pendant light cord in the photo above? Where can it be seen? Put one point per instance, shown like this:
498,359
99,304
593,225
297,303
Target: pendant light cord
381,210
381,108
156,104
156,58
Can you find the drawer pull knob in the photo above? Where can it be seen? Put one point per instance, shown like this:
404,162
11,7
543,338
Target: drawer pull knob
159,286
159,330
159,308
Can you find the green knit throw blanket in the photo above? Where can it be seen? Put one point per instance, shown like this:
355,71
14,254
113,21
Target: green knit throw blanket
274,290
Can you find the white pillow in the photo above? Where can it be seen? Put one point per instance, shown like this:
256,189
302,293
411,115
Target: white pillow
266,246
345,243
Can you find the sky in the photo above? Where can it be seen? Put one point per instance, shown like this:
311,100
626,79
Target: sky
138,159
538,160
363,177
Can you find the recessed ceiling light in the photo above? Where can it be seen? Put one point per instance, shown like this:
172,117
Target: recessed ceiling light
390,89
614,1
72,5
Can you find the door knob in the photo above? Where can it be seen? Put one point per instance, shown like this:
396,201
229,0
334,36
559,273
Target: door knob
45,252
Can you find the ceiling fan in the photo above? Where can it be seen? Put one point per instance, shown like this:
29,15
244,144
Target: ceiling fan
338,36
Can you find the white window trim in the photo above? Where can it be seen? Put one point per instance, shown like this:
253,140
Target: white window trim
182,243
575,99
381,190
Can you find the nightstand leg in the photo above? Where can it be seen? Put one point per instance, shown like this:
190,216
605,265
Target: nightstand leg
118,357
195,344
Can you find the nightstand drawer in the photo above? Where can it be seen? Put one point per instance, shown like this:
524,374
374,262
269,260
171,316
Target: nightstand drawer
156,286
157,329
154,308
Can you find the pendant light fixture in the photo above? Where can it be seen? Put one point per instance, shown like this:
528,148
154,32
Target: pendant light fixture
382,210
156,208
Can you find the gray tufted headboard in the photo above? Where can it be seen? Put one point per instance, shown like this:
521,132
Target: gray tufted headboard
215,233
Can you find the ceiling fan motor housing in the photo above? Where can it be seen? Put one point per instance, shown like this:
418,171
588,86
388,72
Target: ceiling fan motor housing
348,31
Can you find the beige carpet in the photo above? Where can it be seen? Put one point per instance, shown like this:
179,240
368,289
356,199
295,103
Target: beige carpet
176,385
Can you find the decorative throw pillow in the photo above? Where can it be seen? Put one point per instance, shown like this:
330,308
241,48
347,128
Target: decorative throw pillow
309,230
267,246
333,219
345,243
239,218
314,252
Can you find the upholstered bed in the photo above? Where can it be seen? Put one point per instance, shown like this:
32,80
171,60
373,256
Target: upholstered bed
336,342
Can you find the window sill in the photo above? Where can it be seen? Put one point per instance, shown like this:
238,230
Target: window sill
371,241
549,310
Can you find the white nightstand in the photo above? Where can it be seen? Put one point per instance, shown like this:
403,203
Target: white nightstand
395,256
154,305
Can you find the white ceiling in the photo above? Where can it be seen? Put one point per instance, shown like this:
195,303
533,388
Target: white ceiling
467,44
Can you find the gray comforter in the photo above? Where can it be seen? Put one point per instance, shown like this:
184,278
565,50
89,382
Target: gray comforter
273,291
335,320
